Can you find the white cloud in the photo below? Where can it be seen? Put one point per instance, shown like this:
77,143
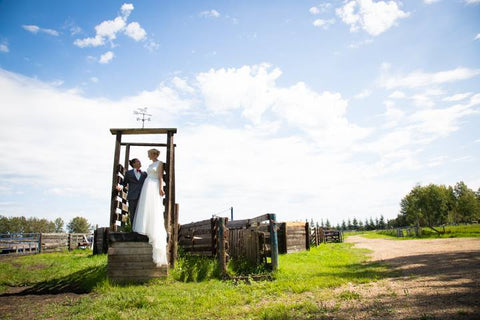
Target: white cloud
94,79
35,29
323,23
421,79
373,17
314,10
135,32
107,30
106,57
477,37
430,1
210,14
151,45
182,85
4,47
359,44
364,94
397,95
457,97
472,1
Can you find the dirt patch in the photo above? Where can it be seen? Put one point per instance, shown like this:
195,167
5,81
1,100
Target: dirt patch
437,279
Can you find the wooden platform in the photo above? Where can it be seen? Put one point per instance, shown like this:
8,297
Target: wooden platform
130,259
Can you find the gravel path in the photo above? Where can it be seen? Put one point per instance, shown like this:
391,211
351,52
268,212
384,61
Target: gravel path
436,279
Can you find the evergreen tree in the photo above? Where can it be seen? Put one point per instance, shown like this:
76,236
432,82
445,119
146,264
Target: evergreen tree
344,225
381,223
355,224
327,224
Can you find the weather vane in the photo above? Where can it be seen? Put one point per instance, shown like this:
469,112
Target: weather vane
143,112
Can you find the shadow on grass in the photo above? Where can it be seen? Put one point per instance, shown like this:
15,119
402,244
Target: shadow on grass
82,281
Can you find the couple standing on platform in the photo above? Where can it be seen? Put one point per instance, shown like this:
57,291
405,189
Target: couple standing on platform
145,203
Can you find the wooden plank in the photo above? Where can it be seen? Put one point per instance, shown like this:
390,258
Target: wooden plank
196,224
116,158
143,131
126,237
131,265
134,258
129,251
128,245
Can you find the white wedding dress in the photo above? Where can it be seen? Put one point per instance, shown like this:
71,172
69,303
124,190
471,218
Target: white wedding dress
149,215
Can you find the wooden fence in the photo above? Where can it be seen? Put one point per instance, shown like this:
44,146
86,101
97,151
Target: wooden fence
322,235
253,239
42,242
293,237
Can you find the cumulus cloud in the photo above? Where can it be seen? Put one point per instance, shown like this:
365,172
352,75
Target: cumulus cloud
373,17
4,47
477,37
210,14
457,97
314,10
109,29
106,57
323,23
135,31
472,1
36,29
421,79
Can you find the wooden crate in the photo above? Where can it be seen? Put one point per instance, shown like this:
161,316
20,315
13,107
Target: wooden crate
130,259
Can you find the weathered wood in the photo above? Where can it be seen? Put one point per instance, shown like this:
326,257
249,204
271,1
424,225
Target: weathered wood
221,253
126,237
129,251
273,240
143,131
116,158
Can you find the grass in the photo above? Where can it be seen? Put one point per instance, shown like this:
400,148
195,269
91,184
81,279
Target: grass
78,271
458,231
298,291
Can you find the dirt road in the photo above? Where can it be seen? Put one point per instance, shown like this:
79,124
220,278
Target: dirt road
436,279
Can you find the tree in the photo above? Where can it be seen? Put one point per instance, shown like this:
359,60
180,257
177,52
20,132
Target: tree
344,225
58,224
78,225
467,207
355,224
327,224
381,222
360,225
426,206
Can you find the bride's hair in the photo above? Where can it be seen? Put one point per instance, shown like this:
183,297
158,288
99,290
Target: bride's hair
154,151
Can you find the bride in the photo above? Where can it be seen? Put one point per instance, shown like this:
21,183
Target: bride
149,217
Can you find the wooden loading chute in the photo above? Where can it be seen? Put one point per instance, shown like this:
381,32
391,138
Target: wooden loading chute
119,207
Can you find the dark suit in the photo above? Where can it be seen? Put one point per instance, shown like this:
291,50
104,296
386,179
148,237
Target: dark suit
134,189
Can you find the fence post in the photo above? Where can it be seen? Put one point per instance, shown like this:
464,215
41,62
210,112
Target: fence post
307,235
221,254
70,242
39,243
273,239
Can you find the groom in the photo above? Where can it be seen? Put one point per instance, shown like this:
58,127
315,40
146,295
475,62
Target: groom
134,179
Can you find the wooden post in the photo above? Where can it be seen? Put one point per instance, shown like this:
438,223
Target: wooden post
273,240
174,248
70,238
127,156
170,193
116,158
40,243
307,236
221,253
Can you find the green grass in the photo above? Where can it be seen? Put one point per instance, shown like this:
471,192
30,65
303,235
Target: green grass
298,290
460,231
54,272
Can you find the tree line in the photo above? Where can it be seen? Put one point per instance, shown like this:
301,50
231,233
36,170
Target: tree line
434,205
36,225
354,224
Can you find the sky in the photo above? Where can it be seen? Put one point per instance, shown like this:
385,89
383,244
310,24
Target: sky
307,109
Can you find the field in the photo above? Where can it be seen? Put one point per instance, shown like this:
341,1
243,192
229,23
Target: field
453,231
75,283
363,279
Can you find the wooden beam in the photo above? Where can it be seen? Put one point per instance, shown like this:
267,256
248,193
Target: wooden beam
116,158
145,144
273,240
144,131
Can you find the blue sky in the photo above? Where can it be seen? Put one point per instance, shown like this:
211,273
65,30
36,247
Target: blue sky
309,109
